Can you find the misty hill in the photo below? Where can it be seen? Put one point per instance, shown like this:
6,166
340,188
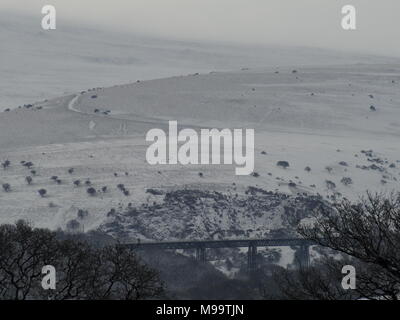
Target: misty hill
318,119
332,117
37,65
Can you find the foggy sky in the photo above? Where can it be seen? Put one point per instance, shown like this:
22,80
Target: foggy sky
287,22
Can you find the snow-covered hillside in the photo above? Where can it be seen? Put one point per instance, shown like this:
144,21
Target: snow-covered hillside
37,65
317,118
333,117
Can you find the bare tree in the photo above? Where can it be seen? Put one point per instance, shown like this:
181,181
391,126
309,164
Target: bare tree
23,253
84,272
365,235
124,276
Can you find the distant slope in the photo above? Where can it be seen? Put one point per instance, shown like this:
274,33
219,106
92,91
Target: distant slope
318,117
37,65
335,100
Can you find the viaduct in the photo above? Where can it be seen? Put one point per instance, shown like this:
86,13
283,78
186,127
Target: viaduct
201,246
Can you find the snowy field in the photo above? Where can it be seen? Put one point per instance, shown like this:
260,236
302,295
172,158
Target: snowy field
37,65
317,117
333,117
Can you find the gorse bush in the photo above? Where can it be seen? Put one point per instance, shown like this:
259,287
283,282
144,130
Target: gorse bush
42,192
6,164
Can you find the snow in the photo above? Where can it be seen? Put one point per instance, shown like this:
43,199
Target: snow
318,131
36,65
317,117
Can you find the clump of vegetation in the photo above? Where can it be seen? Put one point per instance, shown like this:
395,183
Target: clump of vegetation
52,205
346,181
155,192
73,226
91,191
42,192
82,214
329,169
330,185
71,170
112,212
283,164
255,174
29,180
6,187
6,164
307,169
123,189
77,183
28,164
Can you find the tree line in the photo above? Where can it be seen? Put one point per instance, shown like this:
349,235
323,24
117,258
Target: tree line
364,235
83,271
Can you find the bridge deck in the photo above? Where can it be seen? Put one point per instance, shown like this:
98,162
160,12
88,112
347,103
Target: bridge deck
236,243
